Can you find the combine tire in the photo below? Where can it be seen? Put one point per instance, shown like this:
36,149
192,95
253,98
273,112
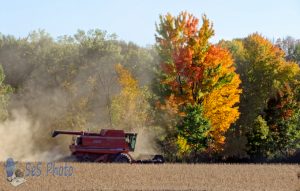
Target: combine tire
158,159
122,158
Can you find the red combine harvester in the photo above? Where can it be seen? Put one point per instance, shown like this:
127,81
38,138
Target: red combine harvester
107,146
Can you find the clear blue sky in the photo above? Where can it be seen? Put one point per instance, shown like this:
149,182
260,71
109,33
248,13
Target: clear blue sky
134,20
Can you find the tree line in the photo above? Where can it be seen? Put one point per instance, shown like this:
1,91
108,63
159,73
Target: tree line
232,100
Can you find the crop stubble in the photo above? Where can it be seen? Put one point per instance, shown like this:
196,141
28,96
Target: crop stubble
92,176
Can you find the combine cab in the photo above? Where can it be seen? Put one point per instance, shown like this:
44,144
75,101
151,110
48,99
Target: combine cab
106,146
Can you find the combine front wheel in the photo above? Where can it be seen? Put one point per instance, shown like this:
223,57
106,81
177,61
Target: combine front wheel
122,158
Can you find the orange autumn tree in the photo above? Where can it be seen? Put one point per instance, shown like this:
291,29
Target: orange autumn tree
197,73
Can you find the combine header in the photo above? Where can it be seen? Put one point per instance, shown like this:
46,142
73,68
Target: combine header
107,146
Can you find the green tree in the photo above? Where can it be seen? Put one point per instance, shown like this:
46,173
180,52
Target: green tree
277,133
257,145
194,128
282,116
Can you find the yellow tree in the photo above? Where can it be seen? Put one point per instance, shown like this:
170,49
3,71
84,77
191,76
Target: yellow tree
130,108
196,72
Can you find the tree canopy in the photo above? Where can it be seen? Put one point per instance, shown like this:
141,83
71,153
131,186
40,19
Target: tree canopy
198,73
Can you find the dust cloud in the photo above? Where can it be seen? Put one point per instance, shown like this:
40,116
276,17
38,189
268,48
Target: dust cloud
146,143
65,85
17,139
